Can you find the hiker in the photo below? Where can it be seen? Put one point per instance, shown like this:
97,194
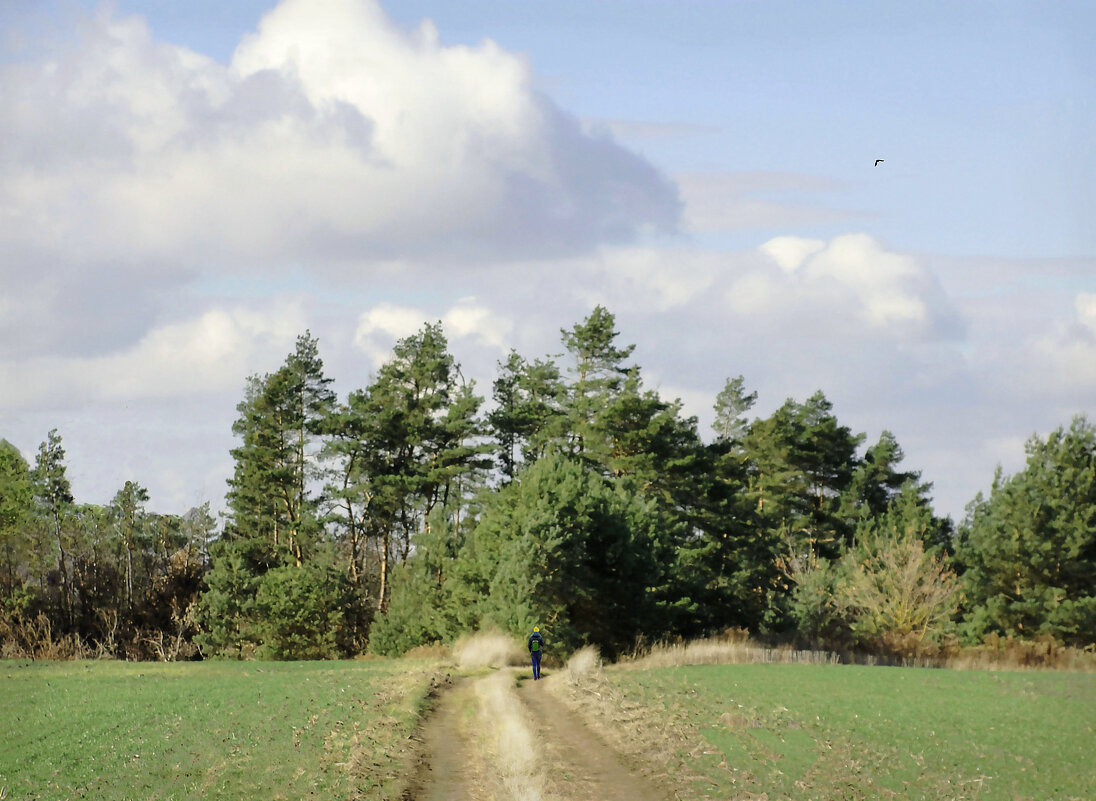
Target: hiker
536,648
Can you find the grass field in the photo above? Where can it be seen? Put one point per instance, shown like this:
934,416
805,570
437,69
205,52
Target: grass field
842,732
225,730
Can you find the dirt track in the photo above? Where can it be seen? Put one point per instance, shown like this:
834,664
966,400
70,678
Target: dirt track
577,764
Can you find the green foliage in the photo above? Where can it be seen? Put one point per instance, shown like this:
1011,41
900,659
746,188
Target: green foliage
226,608
422,609
566,549
412,438
888,594
731,405
583,501
1029,550
528,397
16,510
301,612
280,417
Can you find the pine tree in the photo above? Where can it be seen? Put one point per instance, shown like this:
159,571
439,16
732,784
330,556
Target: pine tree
16,510
53,494
1029,550
273,513
411,442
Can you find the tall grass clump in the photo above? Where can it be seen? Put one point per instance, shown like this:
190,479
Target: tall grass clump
488,649
583,664
730,651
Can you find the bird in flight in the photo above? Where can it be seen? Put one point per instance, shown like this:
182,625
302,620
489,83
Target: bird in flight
878,162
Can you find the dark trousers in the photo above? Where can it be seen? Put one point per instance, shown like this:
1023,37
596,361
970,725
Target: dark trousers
536,664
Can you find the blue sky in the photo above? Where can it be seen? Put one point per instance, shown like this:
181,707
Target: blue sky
187,187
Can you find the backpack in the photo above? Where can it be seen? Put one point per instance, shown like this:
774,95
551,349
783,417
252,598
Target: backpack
535,642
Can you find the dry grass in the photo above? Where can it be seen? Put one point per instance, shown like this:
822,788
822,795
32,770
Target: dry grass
1042,653
583,664
730,652
996,654
626,724
488,649
515,763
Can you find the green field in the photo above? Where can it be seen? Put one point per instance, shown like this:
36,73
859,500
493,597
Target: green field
225,730
840,732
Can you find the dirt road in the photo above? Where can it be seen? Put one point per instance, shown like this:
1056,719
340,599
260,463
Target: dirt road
573,761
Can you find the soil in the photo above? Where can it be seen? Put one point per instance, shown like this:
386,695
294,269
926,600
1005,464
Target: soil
579,764
444,768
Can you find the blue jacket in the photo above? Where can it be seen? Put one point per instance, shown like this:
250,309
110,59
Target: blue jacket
540,640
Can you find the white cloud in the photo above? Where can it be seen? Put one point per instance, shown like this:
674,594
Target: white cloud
470,320
467,322
1085,304
205,355
1062,361
650,278
332,133
789,252
848,286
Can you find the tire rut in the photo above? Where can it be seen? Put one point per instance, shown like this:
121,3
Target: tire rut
580,764
445,769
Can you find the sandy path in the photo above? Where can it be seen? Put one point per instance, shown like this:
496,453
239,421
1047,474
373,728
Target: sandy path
580,764
576,761
446,769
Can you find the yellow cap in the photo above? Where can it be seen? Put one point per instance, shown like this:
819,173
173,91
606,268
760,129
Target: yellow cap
536,628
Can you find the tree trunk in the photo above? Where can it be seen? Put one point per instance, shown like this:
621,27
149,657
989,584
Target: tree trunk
62,568
382,601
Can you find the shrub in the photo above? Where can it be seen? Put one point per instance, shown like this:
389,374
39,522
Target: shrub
300,612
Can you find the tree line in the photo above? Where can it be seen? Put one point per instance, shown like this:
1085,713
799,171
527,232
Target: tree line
578,499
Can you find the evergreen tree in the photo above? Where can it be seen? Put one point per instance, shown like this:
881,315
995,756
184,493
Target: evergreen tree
129,511
800,465
731,405
16,510
280,419
1029,550
53,495
527,399
564,548
273,514
598,370
423,607
410,443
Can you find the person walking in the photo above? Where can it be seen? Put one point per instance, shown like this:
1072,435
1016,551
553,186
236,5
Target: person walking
536,648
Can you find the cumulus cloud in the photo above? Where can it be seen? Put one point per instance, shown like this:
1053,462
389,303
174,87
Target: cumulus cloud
332,133
1063,360
468,322
208,354
849,286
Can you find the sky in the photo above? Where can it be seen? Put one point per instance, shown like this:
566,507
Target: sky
187,187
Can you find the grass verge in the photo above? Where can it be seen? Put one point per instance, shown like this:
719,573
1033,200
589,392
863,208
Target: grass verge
228,730
849,732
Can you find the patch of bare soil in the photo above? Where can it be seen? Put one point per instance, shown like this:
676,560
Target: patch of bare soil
445,767
580,765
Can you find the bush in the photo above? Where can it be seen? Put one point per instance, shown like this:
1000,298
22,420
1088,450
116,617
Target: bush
888,594
300,612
